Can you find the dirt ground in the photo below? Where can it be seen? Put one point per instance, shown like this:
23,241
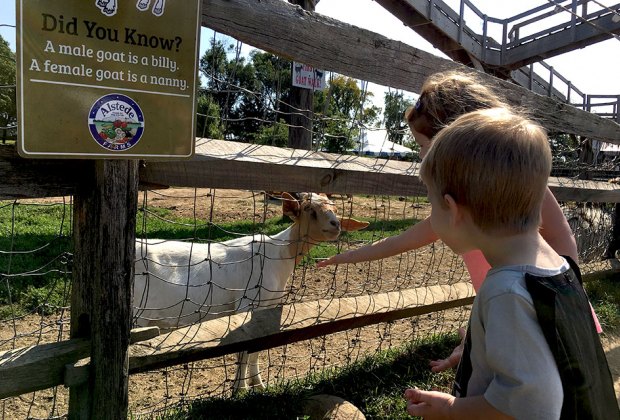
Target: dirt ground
153,391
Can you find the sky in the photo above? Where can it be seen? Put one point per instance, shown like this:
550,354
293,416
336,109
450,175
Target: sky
593,70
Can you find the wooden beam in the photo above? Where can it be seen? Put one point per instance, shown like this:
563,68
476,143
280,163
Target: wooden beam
270,328
38,367
278,169
29,369
78,373
36,178
264,168
567,189
300,35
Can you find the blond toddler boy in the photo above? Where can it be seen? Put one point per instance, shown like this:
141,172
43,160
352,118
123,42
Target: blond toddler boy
531,351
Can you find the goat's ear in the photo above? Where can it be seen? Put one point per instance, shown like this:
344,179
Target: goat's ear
351,225
290,206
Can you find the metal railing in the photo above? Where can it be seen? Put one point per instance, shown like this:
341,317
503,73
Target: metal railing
477,32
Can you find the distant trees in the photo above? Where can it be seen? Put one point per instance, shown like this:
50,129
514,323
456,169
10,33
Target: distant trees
8,104
343,107
252,96
394,119
393,116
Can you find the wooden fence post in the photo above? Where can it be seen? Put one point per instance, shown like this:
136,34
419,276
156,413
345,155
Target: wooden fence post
302,101
614,243
104,250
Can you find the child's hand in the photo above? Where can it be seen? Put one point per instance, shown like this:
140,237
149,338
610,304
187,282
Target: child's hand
343,258
453,359
429,404
326,262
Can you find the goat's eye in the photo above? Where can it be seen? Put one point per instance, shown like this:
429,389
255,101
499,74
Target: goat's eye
313,213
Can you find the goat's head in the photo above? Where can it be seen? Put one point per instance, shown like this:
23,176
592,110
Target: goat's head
316,216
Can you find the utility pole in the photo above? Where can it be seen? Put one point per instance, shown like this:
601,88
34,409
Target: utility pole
300,131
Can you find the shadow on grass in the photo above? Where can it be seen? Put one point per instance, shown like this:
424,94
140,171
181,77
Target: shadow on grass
375,385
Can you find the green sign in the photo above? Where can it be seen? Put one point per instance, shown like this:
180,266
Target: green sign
107,78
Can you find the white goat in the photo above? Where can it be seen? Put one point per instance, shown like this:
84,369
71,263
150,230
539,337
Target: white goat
180,283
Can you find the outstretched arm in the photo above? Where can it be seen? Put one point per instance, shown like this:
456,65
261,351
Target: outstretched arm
415,237
555,229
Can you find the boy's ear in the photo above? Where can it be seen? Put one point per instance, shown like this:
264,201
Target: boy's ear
456,211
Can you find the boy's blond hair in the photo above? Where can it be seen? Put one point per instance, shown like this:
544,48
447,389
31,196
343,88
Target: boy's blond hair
446,96
495,163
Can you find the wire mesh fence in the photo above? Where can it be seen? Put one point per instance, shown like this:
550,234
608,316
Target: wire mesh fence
36,284
36,245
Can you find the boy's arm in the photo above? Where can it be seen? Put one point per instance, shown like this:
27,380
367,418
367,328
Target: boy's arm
415,237
555,228
438,405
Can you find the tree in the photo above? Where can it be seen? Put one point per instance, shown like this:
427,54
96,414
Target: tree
8,103
228,82
342,107
275,134
249,94
208,119
393,115
263,106
273,74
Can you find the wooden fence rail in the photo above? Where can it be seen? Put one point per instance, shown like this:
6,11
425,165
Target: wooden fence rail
34,368
259,168
289,31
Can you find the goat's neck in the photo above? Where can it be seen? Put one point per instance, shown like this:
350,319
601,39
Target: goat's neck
298,242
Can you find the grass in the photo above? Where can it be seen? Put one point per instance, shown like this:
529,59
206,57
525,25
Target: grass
604,295
375,385
34,277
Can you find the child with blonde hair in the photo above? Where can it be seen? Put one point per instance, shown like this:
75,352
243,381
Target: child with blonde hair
532,350
444,97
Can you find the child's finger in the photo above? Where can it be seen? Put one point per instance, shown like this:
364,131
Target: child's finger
439,365
324,263
420,409
413,395
416,403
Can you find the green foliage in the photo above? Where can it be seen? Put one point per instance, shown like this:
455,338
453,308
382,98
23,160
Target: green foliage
565,150
249,93
208,119
342,107
8,103
45,300
253,94
273,135
393,115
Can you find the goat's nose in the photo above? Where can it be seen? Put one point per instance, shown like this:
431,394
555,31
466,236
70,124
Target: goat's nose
335,223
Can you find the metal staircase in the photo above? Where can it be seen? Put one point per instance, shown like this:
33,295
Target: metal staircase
471,37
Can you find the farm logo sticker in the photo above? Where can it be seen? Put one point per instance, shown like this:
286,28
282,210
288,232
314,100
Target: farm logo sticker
116,122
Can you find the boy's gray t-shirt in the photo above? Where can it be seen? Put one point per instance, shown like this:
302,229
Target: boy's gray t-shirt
512,364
